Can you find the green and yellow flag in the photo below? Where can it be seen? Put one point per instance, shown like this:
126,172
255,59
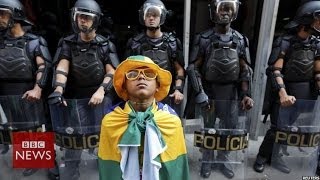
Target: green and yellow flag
125,126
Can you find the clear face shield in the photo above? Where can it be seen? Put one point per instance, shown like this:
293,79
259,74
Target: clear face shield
316,22
84,21
5,15
153,15
224,11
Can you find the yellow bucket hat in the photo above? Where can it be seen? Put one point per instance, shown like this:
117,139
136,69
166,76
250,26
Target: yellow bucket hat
164,77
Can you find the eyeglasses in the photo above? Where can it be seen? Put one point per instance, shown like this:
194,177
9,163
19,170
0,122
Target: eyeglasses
149,74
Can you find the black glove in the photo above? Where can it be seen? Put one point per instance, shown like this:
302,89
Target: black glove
203,100
55,98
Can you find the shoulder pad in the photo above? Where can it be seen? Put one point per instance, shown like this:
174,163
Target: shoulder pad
239,35
71,38
112,47
139,37
196,39
30,36
60,42
206,33
101,40
246,41
42,41
287,37
277,41
179,44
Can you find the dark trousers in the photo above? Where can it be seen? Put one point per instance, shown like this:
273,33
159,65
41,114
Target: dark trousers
288,118
227,112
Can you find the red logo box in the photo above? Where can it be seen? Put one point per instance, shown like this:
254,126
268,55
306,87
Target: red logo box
33,150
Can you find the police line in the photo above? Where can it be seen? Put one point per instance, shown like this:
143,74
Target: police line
221,142
299,139
63,140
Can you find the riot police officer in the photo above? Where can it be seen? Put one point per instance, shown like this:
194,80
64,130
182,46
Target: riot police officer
24,68
294,72
164,48
218,69
84,67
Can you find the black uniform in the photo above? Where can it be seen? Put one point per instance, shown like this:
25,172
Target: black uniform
86,73
18,71
164,51
87,64
217,83
298,76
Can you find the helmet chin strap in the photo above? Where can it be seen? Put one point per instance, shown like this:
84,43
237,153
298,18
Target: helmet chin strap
86,31
153,28
316,30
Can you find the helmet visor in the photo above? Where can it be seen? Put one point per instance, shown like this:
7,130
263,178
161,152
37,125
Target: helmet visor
4,11
84,15
5,15
152,10
226,11
84,20
316,22
316,14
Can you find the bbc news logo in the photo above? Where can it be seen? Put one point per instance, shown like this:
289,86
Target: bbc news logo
33,150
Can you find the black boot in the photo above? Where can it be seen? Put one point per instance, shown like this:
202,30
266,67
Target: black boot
5,149
259,164
226,171
277,161
205,170
279,164
53,173
29,171
72,161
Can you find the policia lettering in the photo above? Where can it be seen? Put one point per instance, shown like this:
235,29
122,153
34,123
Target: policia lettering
220,142
86,141
298,139
6,135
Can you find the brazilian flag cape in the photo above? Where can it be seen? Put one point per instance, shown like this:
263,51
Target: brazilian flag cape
122,126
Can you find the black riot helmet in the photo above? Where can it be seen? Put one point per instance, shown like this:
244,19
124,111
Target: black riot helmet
154,7
16,9
305,15
223,11
87,9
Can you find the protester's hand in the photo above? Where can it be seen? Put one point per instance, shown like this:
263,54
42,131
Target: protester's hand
247,103
287,100
33,95
57,99
96,98
178,96
203,100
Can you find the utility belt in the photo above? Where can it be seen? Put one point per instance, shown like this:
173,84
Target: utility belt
80,92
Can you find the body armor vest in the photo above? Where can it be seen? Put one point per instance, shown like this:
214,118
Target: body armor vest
299,66
15,64
158,51
87,69
222,64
